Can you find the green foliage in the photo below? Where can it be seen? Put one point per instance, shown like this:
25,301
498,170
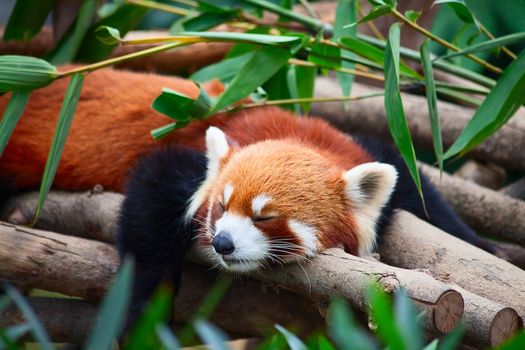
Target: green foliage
23,27
12,114
396,118
65,118
23,73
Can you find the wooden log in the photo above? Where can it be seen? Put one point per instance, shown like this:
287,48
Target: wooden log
368,117
414,244
515,189
483,209
31,257
484,174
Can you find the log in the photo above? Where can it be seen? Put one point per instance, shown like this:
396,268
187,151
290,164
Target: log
30,256
368,117
515,189
182,60
484,174
483,209
414,244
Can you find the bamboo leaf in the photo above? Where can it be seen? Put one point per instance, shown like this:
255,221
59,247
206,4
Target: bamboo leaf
406,319
453,339
201,22
157,312
261,67
112,310
498,107
167,338
163,131
180,107
301,82
108,35
59,139
346,12
374,13
430,90
293,341
325,55
37,330
382,313
374,54
27,19
69,44
344,330
263,39
211,335
412,16
502,41
12,114
460,8
224,70
24,73
396,118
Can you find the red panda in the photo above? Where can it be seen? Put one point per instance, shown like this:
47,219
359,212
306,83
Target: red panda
252,186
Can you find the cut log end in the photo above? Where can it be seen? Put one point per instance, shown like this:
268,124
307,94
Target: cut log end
505,324
448,311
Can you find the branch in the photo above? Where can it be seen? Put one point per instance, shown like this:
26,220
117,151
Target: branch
411,243
368,117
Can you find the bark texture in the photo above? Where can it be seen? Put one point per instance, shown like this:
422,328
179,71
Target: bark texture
483,209
368,116
484,174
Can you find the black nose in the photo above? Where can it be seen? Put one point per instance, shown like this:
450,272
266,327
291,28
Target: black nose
223,243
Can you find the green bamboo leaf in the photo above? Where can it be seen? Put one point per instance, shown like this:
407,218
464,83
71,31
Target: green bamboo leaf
433,345
108,35
157,312
383,316
374,13
167,338
406,319
69,44
125,18
293,341
27,19
344,330
361,48
396,117
460,8
502,41
37,329
224,70
430,90
301,82
346,12
412,16
180,107
261,67
324,344
211,335
324,55
263,39
11,334
12,114
112,310
24,73
59,139
201,22
499,106
163,131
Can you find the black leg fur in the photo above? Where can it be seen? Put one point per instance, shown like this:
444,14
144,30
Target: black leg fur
152,228
405,197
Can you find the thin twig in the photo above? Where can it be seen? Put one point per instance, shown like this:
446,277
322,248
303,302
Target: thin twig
158,6
485,31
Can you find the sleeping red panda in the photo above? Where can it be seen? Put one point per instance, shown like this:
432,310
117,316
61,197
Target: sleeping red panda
251,187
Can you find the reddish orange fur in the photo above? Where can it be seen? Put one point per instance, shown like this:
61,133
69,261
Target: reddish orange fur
111,130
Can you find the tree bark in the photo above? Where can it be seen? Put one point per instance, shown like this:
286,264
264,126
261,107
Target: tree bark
65,264
414,244
515,189
484,174
484,209
368,116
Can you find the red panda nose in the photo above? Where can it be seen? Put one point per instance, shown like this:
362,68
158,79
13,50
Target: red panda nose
223,243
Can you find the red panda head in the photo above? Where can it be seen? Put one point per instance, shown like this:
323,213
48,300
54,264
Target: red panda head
282,201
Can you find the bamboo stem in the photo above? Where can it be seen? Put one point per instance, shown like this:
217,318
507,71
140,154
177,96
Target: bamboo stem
158,6
442,42
489,35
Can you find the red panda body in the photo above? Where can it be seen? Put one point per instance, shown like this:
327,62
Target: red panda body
254,186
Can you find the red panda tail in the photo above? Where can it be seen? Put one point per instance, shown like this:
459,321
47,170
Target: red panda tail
152,226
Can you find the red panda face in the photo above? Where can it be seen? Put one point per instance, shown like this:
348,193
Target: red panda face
278,201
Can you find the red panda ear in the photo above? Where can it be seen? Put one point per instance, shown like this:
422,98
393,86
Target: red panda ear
217,148
370,184
368,187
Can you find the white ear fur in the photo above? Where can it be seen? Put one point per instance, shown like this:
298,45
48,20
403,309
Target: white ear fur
216,144
216,148
368,188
